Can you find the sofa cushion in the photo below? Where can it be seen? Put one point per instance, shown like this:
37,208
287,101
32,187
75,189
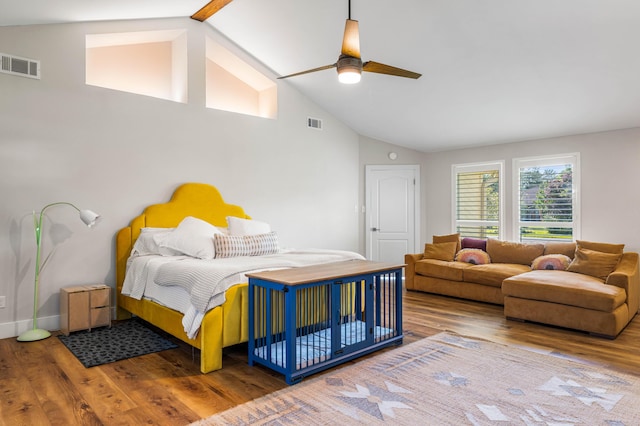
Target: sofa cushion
594,263
447,239
603,247
565,288
493,274
568,248
473,256
440,269
509,252
557,262
440,251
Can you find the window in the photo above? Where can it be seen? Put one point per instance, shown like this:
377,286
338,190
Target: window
478,190
234,85
547,208
151,63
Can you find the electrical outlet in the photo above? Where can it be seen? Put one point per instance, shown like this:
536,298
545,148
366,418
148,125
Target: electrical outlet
3,301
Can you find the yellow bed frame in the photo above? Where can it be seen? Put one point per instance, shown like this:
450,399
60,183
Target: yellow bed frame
222,326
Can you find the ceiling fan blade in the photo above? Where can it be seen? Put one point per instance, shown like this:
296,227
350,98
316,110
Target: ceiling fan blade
351,39
326,67
209,9
379,68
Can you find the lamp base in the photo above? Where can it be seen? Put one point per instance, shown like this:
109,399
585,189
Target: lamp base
33,335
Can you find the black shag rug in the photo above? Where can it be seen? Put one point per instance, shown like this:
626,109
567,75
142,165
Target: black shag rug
122,340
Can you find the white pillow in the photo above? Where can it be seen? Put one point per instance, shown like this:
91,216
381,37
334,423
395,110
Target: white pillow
193,237
146,243
240,227
245,245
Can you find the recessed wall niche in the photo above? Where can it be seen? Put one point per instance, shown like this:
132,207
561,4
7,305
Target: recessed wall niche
151,63
233,85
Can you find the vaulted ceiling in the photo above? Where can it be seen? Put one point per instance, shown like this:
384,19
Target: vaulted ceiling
493,71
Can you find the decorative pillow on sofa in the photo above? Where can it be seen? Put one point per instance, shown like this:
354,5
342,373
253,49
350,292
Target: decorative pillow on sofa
245,245
447,239
476,243
556,262
601,247
474,256
440,251
595,263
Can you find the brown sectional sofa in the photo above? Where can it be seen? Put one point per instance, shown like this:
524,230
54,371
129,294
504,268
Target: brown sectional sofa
599,292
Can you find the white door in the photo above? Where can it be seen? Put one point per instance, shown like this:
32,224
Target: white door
393,212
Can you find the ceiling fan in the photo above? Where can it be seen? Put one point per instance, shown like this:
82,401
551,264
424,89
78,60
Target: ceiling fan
350,65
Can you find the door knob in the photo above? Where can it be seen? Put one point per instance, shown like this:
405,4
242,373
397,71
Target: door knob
375,229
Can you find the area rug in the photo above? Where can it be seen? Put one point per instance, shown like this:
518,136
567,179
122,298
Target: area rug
449,379
123,340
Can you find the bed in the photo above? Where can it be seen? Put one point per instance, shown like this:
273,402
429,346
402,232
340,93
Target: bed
224,321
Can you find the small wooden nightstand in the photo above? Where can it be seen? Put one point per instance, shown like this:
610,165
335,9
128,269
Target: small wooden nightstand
84,307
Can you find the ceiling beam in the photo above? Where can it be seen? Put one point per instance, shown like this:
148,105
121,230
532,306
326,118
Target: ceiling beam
209,9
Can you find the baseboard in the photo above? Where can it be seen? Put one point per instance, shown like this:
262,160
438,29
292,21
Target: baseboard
13,329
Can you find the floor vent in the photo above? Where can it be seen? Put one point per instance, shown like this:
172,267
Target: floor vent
19,66
314,123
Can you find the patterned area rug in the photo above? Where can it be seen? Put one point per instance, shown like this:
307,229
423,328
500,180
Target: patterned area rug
123,340
450,380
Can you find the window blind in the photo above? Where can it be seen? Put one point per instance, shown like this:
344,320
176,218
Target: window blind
547,199
478,206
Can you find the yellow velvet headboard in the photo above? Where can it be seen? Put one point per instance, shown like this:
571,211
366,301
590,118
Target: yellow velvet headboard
199,200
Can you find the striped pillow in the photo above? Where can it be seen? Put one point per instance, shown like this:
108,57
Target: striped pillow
245,245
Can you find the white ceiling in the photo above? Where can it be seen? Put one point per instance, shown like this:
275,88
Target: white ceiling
493,71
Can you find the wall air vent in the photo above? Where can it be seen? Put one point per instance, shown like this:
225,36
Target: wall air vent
15,65
314,123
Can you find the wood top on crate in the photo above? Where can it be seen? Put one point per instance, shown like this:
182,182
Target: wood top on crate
326,271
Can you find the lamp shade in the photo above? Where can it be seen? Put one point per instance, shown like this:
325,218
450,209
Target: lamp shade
349,69
89,218
349,76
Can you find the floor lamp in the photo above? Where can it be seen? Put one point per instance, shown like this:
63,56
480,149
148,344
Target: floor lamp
89,218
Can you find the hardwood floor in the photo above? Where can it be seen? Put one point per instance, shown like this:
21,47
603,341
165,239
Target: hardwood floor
42,383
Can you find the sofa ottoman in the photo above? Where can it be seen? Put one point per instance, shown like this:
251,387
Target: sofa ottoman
567,299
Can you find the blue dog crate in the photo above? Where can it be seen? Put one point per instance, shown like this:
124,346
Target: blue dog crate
304,320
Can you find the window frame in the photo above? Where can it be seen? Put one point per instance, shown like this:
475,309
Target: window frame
542,162
478,167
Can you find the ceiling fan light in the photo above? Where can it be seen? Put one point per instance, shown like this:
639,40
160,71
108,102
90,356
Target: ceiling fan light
349,76
349,69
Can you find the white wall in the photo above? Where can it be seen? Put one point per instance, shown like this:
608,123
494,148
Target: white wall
610,171
116,152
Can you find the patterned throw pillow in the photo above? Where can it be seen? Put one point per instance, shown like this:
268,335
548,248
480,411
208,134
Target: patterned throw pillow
474,256
245,245
555,262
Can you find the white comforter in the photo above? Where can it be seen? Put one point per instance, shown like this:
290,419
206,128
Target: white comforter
207,280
